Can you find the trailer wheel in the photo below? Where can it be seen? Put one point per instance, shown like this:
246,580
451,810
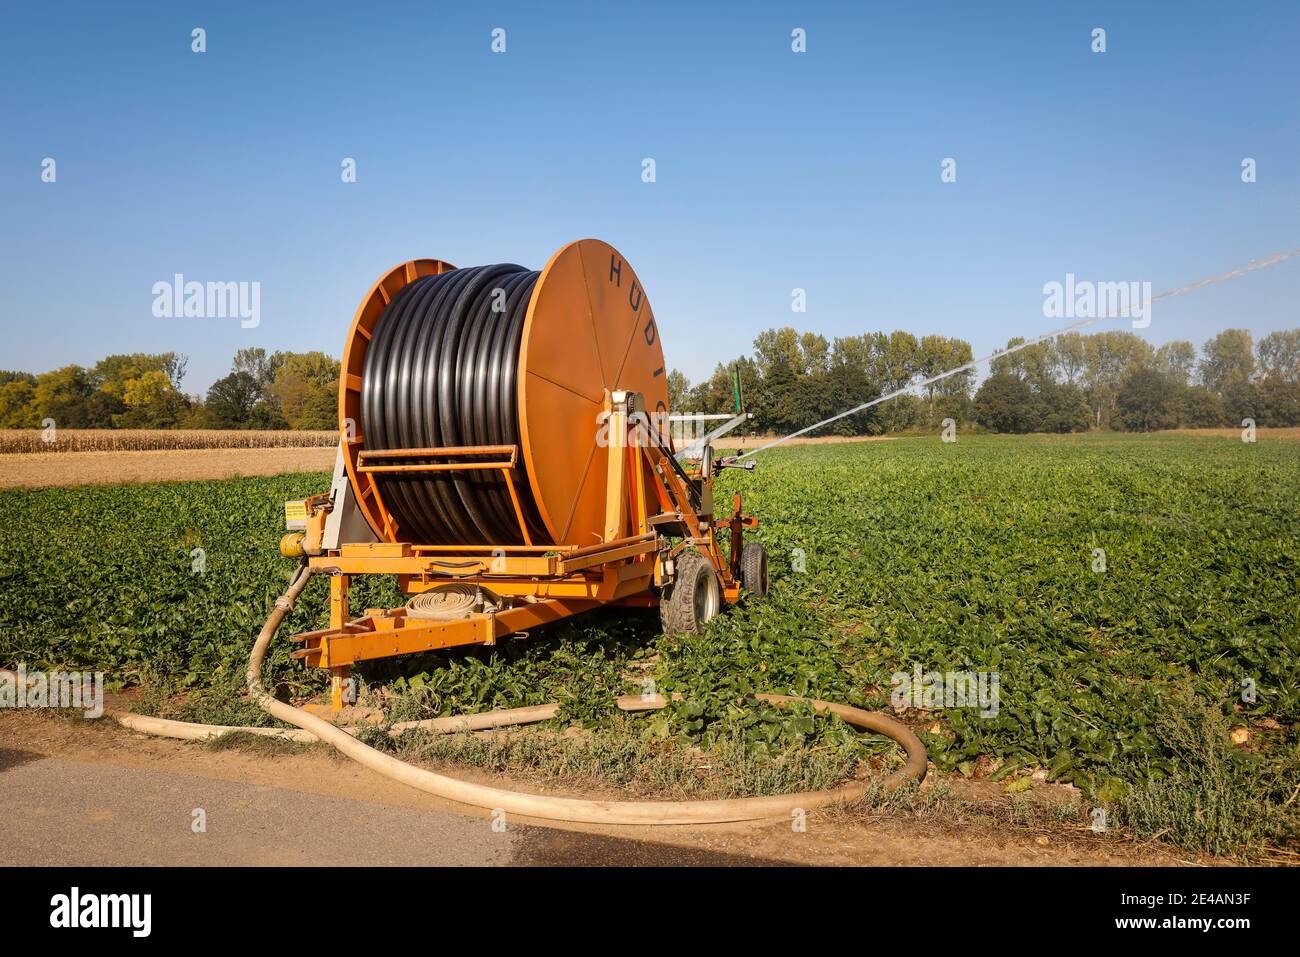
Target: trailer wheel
753,569
693,596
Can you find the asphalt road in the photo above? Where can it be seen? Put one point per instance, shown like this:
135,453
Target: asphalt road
55,811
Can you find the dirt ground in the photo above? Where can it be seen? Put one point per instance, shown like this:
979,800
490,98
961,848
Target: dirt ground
1287,434
317,774
50,469
47,469
754,441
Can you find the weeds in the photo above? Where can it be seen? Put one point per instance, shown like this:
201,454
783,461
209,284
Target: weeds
629,761
1216,798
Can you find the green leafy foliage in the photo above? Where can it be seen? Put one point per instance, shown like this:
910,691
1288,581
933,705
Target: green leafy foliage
974,556
978,556
169,581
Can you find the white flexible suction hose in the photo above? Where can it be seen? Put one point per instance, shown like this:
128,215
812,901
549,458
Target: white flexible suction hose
536,805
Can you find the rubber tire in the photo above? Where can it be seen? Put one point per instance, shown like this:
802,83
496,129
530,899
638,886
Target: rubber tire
753,569
692,598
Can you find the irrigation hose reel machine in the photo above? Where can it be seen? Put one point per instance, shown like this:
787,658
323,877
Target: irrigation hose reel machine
505,450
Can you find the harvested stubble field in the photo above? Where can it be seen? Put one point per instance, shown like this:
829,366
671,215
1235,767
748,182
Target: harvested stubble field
30,441
977,556
53,469
28,459
112,456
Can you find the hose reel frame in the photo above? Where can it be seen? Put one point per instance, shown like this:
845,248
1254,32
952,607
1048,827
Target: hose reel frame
589,330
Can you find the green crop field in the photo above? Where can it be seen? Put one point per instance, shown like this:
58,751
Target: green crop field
983,556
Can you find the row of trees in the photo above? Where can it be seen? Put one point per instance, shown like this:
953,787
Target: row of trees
1073,383
793,380
1117,380
280,390
295,390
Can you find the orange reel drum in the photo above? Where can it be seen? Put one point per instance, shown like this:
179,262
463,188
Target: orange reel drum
589,331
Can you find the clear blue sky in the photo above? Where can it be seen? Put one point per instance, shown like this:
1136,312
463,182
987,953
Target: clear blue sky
775,170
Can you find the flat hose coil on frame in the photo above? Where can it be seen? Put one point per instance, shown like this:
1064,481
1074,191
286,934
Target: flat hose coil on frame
441,371
445,602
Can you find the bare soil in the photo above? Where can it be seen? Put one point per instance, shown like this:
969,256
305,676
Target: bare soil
48,469
1291,434
754,441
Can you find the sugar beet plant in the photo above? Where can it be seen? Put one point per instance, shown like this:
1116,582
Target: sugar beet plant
1103,579
166,582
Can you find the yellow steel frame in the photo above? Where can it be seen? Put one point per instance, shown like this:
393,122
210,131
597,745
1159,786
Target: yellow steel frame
551,582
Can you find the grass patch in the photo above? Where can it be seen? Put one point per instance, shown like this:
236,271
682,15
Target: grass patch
262,745
665,770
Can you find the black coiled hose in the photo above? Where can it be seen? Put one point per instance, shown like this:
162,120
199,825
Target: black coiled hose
441,371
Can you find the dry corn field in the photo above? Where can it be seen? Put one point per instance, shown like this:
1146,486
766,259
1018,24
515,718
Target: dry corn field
14,441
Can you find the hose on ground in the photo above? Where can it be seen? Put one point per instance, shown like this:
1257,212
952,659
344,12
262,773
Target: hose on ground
558,808
574,809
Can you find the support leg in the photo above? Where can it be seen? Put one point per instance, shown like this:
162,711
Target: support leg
737,538
338,617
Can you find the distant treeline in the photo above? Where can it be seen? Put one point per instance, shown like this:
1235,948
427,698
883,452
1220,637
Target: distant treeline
1108,380
280,390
